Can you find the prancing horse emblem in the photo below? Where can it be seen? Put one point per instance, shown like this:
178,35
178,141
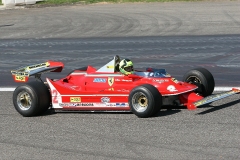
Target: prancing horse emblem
110,81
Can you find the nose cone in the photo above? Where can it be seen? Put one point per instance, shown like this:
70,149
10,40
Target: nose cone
172,87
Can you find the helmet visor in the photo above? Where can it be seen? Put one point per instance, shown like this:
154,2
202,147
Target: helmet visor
129,68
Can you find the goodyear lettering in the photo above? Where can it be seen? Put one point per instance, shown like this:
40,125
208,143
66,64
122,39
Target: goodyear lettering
37,66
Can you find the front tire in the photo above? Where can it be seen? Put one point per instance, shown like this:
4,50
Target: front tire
145,101
31,99
202,78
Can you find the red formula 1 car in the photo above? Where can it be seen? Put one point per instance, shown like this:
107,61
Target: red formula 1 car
106,89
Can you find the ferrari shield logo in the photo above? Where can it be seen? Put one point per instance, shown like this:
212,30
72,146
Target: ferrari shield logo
110,81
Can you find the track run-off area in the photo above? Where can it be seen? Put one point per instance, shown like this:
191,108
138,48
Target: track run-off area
177,36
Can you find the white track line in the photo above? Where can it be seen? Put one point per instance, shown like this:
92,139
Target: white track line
216,89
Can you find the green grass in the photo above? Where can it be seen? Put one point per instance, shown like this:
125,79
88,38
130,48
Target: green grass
98,1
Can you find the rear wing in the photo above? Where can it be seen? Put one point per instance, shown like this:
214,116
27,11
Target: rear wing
22,74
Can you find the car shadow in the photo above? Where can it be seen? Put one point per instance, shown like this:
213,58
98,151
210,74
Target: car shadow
48,112
169,110
52,112
165,111
216,108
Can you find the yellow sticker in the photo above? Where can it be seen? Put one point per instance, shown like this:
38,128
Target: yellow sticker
75,99
110,66
110,81
20,78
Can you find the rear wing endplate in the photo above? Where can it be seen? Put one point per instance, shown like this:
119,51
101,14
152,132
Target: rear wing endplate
22,74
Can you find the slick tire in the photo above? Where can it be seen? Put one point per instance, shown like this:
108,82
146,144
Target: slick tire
31,99
202,78
145,101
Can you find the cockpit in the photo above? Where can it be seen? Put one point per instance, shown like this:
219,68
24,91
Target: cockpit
113,67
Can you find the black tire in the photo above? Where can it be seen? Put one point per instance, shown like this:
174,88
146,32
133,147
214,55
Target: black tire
145,101
31,99
202,78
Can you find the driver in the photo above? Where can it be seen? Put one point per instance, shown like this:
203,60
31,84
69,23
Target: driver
126,67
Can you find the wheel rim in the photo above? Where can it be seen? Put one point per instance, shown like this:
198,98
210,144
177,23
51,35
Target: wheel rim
140,102
196,81
193,80
24,100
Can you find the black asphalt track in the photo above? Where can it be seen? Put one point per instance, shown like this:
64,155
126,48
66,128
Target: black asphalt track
177,54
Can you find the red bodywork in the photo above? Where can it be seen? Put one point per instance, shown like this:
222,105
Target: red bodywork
91,90
107,89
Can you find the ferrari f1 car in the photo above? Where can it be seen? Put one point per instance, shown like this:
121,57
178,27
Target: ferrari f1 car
106,89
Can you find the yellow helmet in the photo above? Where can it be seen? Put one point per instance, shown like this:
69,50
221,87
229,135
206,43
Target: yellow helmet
126,66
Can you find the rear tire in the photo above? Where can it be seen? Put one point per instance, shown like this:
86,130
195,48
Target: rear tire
202,78
31,99
145,101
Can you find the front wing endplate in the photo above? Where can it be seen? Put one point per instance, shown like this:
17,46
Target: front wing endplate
213,98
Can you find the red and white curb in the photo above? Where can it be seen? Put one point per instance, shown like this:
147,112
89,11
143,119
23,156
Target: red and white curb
216,89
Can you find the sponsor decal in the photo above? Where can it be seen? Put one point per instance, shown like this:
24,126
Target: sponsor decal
160,80
110,104
171,88
123,90
20,78
99,80
75,99
105,99
126,80
17,73
120,104
86,104
75,104
76,87
174,80
37,66
110,81
110,66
